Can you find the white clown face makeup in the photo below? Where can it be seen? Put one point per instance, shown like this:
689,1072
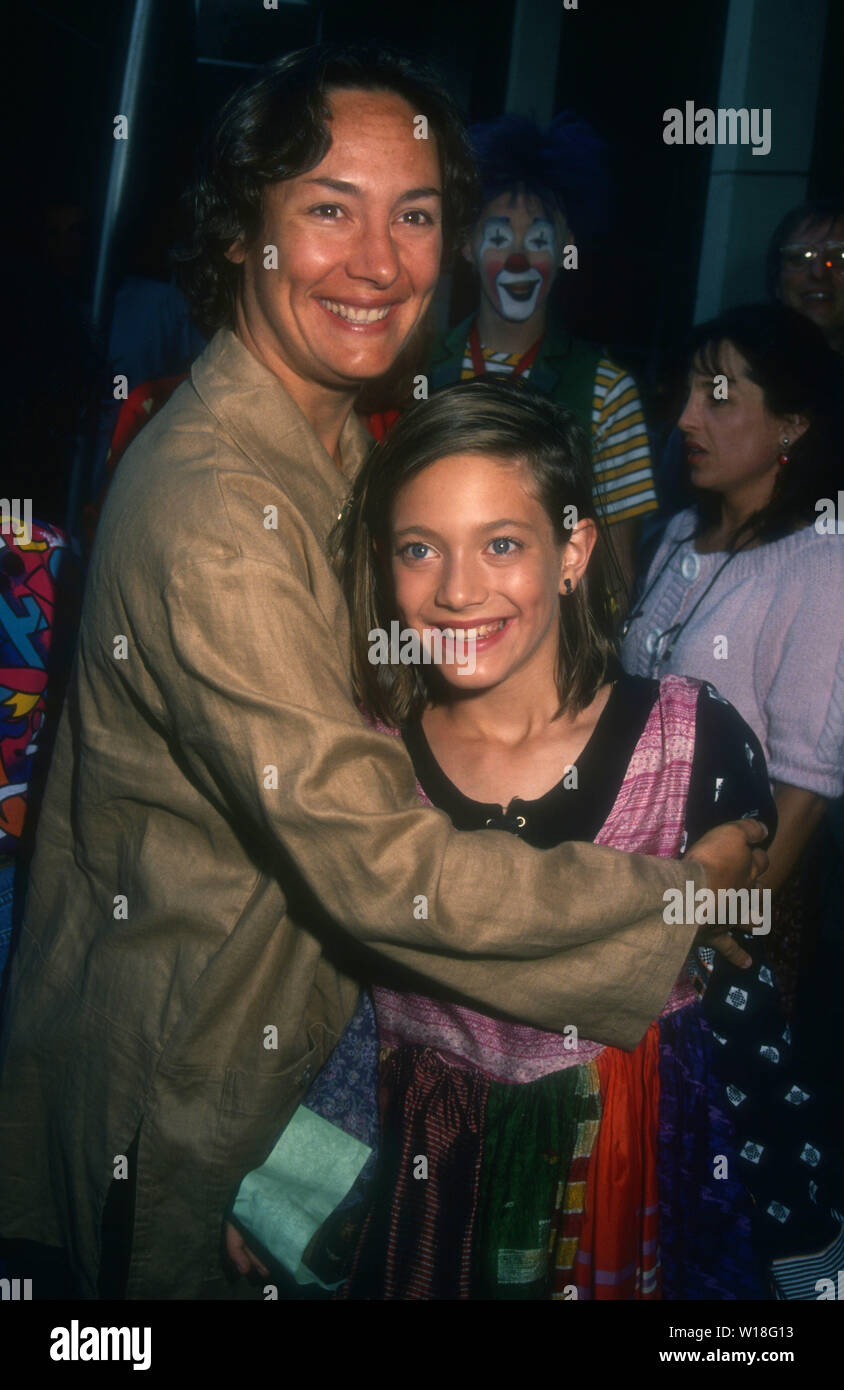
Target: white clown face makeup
516,250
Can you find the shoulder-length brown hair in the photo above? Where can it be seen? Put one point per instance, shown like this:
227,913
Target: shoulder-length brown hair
498,420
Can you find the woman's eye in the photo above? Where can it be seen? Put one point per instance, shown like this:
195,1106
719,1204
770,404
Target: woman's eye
504,545
417,217
415,550
329,211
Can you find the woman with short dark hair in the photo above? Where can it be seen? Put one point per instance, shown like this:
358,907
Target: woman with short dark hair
747,591
279,127
237,833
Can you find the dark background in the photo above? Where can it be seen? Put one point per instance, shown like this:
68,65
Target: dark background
620,65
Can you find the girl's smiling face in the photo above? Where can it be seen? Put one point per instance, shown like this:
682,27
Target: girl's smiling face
472,547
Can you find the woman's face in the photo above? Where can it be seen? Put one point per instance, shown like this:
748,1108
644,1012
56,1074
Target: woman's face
732,444
816,288
357,245
472,547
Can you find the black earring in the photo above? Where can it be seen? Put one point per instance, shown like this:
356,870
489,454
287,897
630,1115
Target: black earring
567,585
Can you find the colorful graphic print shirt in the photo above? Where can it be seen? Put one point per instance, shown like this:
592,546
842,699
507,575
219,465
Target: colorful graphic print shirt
29,568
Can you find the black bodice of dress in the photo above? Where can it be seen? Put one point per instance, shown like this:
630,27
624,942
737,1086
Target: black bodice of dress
729,777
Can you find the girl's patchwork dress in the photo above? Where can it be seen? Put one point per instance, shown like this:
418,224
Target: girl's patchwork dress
520,1164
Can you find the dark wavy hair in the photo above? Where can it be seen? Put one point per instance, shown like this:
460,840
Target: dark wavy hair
820,212
799,374
277,127
501,420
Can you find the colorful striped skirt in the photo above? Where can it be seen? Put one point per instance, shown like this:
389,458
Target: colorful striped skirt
613,1178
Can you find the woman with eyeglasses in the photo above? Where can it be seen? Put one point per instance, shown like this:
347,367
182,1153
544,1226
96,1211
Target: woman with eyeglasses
746,591
805,268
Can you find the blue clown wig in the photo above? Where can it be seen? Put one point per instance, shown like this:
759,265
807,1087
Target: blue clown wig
564,166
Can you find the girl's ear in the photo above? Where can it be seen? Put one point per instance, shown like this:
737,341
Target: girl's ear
576,554
467,252
236,252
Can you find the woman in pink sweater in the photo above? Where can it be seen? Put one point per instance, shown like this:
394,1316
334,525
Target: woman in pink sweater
747,588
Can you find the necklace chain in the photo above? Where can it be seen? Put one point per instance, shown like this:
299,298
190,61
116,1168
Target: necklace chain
662,651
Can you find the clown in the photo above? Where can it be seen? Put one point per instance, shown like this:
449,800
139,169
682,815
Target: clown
516,250
542,192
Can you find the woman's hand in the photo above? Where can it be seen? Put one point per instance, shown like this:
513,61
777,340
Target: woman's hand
243,1259
731,857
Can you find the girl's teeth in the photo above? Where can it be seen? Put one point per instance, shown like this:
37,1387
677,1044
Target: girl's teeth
474,634
347,311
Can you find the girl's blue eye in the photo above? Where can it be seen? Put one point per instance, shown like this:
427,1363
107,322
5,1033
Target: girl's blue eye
504,541
415,550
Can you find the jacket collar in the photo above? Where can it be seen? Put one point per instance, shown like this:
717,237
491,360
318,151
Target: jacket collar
260,416
556,350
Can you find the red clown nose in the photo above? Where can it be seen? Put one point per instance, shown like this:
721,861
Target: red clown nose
517,262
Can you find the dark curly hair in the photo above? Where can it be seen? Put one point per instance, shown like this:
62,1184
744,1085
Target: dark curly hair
277,127
501,420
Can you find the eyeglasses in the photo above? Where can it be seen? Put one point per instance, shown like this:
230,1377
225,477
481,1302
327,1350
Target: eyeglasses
796,257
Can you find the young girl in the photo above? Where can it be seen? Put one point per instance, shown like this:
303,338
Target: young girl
516,1163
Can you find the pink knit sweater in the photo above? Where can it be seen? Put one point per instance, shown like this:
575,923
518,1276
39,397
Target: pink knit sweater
780,608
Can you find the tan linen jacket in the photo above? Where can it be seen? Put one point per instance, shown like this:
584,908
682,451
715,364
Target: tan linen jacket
221,827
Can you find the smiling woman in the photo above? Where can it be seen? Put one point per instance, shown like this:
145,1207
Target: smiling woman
359,244
234,818
280,128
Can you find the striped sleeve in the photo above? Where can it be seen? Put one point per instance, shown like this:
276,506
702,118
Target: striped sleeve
623,479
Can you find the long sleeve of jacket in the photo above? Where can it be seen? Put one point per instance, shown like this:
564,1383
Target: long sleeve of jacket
261,710
222,835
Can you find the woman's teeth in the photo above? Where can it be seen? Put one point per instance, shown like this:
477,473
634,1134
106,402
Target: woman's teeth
474,634
353,315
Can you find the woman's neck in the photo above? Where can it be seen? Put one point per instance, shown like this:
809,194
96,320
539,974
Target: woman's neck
325,408
735,511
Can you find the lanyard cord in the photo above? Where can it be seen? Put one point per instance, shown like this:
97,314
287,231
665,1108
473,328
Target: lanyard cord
479,364
638,610
661,655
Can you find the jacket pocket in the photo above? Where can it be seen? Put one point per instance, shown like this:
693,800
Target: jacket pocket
258,1095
